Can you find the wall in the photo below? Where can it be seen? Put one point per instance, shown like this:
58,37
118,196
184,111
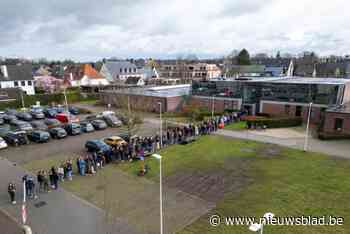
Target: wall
329,123
29,89
220,104
278,109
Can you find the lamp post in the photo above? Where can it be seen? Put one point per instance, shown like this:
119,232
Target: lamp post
65,99
161,124
255,227
212,106
157,156
306,142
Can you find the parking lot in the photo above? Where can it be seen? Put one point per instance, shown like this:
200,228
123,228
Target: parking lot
68,146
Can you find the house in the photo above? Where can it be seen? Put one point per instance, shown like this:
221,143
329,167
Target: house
17,76
119,71
43,70
49,84
84,75
135,81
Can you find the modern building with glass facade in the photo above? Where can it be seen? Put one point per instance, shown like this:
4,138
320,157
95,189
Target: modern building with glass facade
279,96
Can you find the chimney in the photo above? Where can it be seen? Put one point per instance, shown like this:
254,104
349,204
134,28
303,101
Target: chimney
4,71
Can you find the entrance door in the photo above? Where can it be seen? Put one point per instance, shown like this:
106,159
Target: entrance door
298,111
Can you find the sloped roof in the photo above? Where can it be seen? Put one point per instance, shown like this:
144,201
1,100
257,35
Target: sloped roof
17,72
89,71
115,66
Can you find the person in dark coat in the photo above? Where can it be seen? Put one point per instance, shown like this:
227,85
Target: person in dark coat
12,192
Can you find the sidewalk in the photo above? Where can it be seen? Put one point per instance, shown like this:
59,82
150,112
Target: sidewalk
62,213
340,148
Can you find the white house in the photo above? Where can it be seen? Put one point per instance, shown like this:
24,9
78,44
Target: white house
84,75
17,76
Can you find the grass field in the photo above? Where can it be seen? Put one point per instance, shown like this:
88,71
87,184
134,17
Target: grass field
242,125
243,178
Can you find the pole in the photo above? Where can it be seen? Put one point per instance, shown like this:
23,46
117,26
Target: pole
161,125
65,99
212,107
24,211
22,99
262,228
161,196
307,128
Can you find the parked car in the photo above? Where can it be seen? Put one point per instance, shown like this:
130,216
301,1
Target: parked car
58,133
99,124
37,113
2,121
114,141
67,118
3,143
97,146
10,111
9,118
73,129
50,112
112,121
52,123
39,125
59,109
4,129
22,126
93,117
86,127
24,116
39,136
16,138
73,110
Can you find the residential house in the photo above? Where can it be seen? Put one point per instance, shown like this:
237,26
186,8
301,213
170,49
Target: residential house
135,81
17,76
119,71
189,71
84,75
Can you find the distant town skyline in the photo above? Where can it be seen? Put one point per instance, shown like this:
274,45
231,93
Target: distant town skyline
169,29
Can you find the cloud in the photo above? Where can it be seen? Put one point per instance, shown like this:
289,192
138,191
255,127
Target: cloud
86,30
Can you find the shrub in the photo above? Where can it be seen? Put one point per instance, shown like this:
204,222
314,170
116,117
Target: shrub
273,123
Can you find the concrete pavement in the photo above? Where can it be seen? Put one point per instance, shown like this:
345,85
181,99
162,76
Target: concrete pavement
61,213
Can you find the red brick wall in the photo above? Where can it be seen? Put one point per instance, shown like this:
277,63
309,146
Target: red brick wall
174,103
329,123
279,110
219,104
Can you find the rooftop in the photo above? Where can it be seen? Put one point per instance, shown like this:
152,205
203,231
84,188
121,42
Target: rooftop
160,91
292,80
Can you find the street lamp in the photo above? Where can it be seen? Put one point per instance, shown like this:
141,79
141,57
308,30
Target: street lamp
161,124
212,106
255,227
306,142
157,156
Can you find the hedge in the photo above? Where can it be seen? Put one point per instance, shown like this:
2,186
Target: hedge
275,122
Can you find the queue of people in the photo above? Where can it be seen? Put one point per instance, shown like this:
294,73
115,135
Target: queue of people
135,148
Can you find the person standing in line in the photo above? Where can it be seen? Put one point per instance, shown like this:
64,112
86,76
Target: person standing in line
12,192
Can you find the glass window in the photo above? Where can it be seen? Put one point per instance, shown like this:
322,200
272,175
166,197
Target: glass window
338,124
30,83
16,83
23,83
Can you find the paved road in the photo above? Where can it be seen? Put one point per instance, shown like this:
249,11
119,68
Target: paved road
63,212
340,148
8,224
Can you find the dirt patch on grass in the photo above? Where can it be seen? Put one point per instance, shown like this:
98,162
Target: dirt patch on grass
212,185
269,151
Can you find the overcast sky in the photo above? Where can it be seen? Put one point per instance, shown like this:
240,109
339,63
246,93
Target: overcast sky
81,30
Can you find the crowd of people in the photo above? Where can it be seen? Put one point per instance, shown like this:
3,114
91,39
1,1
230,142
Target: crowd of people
134,148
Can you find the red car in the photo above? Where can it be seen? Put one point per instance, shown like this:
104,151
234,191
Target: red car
67,118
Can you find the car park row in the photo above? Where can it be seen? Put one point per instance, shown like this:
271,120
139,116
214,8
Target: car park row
42,124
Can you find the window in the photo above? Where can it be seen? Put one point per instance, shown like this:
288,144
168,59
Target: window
125,70
121,70
298,111
135,70
30,83
129,70
338,124
287,109
16,83
23,83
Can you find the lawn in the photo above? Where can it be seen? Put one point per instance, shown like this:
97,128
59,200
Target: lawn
237,126
243,178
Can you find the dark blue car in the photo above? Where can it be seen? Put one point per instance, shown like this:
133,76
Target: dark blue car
73,110
50,112
39,136
97,146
